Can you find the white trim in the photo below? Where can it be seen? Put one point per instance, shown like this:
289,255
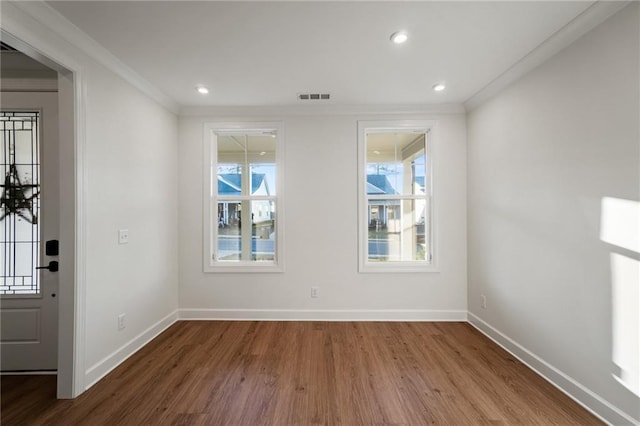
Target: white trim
593,16
103,367
50,18
39,42
591,401
429,127
80,273
319,110
210,157
323,314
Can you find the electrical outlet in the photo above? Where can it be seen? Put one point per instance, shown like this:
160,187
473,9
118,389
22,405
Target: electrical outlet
315,292
483,301
121,322
123,236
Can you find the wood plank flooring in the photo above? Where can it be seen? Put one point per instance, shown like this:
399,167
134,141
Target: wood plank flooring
303,373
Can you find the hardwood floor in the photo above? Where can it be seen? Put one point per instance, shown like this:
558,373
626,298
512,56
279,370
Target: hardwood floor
298,373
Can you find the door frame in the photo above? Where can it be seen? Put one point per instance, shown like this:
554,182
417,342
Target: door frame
37,353
71,104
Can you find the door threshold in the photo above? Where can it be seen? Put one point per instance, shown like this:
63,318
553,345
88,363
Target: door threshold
29,373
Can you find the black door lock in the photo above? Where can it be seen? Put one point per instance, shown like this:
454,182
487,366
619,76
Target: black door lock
52,248
52,266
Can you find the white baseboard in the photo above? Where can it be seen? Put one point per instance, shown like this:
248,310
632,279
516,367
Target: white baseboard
322,315
108,363
576,391
582,395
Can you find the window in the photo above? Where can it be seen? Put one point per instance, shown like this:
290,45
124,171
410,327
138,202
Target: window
20,203
243,197
396,203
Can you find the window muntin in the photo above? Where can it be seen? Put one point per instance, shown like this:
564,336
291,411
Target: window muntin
396,199
243,181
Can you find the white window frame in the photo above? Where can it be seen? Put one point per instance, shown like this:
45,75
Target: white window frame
429,127
210,198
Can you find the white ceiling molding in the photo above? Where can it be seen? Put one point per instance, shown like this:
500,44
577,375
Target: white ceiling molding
28,85
54,21
247,57
326,110
576,28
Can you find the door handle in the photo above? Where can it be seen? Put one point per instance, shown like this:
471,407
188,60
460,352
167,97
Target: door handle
52,266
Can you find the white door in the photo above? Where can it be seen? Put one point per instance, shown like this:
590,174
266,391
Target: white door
28,219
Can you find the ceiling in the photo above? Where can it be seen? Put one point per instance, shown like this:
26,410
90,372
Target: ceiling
265,53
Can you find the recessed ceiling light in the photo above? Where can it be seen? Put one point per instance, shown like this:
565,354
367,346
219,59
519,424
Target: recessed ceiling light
399,37
202,90
439,87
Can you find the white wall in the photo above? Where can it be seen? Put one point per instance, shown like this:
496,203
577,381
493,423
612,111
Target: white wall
321,231
541,157
130,177
131,157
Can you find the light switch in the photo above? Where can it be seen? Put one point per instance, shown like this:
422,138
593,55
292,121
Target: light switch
123,236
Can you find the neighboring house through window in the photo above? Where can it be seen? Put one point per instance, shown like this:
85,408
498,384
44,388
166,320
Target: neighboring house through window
243,211
396,203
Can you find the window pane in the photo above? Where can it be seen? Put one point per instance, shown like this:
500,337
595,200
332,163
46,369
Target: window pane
229,180
263,241
239,153
421,185
396,163
263,179
262,157
255,242
229,227
396,230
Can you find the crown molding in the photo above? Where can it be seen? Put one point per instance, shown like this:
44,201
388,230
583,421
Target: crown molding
593,16
48,17
326,110
587,20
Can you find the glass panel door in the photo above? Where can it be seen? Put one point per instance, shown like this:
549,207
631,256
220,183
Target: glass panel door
19,203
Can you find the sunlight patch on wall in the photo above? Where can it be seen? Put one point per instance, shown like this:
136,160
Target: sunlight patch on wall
620,227
620,223
625,274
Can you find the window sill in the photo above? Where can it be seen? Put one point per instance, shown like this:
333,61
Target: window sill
244,267
398,267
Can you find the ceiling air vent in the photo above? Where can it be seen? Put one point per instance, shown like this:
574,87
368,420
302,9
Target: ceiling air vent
314,96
